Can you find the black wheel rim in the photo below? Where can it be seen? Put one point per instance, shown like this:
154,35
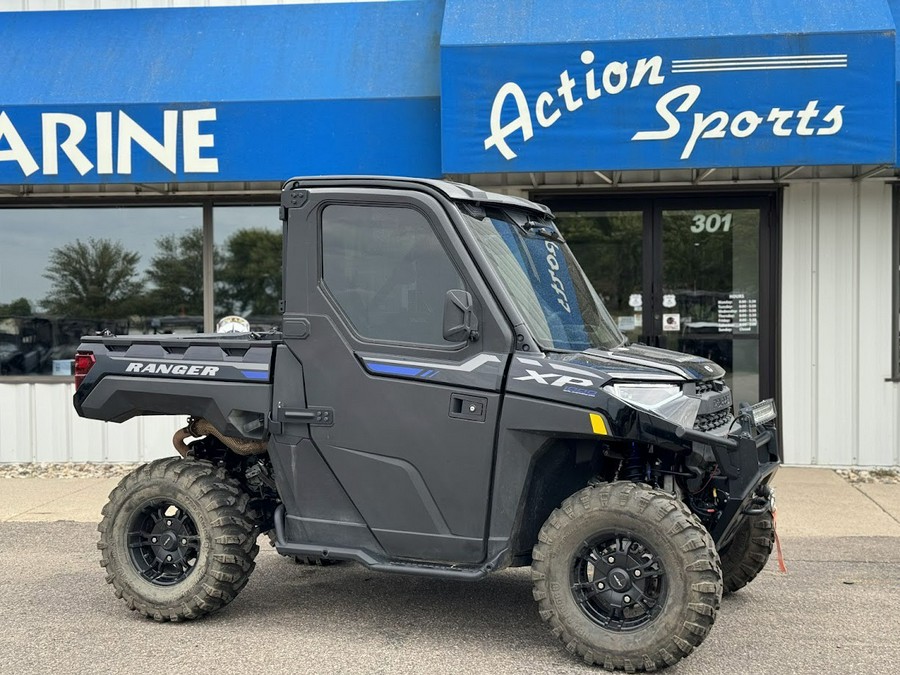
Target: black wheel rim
618,581
163,542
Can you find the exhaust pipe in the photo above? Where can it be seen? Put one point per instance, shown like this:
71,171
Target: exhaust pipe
200,426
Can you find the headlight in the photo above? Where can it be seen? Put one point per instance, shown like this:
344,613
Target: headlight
663,400
647,396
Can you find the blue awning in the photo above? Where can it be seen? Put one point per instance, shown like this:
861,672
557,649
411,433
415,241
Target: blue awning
613,84
220,94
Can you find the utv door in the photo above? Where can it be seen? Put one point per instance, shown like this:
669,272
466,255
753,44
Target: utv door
414,414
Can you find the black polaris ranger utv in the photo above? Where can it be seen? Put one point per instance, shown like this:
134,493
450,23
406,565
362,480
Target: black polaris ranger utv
448,397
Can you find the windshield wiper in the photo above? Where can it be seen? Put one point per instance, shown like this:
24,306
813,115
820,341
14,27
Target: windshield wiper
532,227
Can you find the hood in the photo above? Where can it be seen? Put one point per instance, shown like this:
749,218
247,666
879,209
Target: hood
578,378
637,362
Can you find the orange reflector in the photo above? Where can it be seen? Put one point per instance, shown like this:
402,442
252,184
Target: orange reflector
598,424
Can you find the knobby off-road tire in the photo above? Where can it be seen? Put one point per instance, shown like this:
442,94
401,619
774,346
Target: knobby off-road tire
214,543
748,552
661,555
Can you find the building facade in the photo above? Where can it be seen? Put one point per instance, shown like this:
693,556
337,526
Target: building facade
726,178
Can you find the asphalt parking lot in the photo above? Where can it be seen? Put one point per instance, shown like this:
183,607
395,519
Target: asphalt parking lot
837,610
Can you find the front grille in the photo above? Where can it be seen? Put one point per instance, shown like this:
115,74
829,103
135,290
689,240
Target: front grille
710,385
715,404
713,420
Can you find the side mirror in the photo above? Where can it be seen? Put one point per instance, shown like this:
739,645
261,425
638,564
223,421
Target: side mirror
460,322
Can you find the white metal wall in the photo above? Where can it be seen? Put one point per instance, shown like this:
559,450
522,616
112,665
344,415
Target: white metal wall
39,424
837,407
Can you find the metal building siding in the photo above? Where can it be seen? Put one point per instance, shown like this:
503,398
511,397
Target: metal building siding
39,424
837,408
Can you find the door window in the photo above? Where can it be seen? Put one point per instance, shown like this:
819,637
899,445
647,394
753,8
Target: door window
388,272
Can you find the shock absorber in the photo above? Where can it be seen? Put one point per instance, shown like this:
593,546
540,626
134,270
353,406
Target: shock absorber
634,468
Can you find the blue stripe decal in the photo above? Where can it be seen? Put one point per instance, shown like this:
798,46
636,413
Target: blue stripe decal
391,369
255,374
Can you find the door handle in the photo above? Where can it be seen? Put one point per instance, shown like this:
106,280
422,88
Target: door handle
466,407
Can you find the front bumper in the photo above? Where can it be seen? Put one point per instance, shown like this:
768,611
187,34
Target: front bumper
748,466
747,462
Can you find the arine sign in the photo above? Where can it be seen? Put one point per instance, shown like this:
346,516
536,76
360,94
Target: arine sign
64,137
227,141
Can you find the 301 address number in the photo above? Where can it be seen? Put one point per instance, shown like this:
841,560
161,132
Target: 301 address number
711,223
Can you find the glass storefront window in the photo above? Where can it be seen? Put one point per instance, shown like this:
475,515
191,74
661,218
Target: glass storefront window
68,272
248,264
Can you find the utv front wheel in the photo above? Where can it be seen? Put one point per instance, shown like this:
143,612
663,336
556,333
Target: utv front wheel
749,551
176,540
626,577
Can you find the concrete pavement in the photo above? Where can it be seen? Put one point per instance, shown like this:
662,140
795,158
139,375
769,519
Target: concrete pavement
836,611
53,499
812,502
819,503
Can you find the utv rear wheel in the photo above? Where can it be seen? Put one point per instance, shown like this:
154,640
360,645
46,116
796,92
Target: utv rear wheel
176,540
626,577
749,551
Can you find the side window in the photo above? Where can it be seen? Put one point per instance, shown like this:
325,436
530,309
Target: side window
388,272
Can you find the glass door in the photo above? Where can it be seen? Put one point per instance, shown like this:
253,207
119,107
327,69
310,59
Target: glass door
609,246
709,301
691,274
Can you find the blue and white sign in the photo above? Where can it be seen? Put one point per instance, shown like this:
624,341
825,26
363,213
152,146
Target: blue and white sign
256,93
719,101
233,141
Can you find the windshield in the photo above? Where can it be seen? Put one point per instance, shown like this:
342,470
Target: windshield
544,280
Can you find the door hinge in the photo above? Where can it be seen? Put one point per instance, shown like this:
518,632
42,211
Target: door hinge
294,198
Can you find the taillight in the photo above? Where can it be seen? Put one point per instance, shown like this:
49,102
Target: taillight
83,363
